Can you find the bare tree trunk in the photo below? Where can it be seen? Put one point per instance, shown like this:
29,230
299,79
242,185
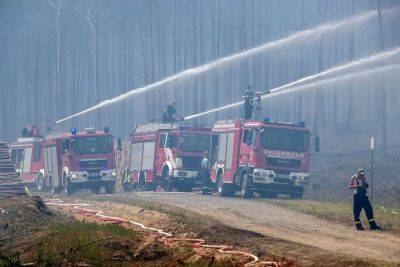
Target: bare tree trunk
58,82
383,114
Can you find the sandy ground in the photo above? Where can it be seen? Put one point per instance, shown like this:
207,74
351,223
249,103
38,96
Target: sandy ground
285,224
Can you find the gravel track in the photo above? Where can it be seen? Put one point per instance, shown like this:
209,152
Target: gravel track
283,223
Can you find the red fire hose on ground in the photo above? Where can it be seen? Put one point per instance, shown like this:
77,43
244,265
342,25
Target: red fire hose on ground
167,238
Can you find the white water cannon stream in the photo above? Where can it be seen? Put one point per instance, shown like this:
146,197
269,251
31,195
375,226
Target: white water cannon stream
348,23
315,79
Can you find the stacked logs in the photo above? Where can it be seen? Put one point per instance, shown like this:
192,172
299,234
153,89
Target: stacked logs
10,180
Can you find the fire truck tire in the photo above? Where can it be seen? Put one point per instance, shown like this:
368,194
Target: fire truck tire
143,186
224,189
247,187
167,183
39,183
151,186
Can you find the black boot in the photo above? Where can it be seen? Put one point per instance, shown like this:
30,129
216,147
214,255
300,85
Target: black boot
359,227
374,226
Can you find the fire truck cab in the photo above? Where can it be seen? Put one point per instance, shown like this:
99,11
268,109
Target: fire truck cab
168,155
263,157
79,160
27,156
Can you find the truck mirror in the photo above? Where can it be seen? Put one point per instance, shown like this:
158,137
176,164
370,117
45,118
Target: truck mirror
316,145
119,144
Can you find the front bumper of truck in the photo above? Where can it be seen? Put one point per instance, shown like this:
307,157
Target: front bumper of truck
187,176
268,177
80,177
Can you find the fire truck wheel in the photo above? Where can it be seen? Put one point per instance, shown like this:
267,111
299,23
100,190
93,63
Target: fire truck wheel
39,182
247,187
224,189
167,183
141,184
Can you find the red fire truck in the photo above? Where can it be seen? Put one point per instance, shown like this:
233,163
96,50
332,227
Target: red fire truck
168,155
265,157
26,154
79,160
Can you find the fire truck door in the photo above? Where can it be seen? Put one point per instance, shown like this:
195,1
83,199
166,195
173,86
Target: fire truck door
160,152
213,149
249,143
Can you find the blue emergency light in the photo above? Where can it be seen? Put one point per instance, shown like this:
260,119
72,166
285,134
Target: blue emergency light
73,131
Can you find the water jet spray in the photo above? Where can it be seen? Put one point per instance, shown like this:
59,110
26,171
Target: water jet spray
303,35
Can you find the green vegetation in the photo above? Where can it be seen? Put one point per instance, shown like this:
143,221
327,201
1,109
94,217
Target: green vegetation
79,242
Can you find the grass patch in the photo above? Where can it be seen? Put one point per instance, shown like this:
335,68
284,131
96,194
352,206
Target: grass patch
83,242
76,243
387,217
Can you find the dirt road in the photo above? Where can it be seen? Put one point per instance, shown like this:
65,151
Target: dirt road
285,224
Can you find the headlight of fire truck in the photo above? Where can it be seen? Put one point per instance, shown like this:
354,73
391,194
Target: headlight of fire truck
77,174
300,178
108,173
178,163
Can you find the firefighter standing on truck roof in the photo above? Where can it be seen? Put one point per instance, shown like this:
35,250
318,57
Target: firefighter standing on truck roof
205,173
171,111
361,201
248,105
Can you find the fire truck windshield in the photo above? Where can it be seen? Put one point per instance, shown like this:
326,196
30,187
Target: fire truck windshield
284,139
92,144
191,142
